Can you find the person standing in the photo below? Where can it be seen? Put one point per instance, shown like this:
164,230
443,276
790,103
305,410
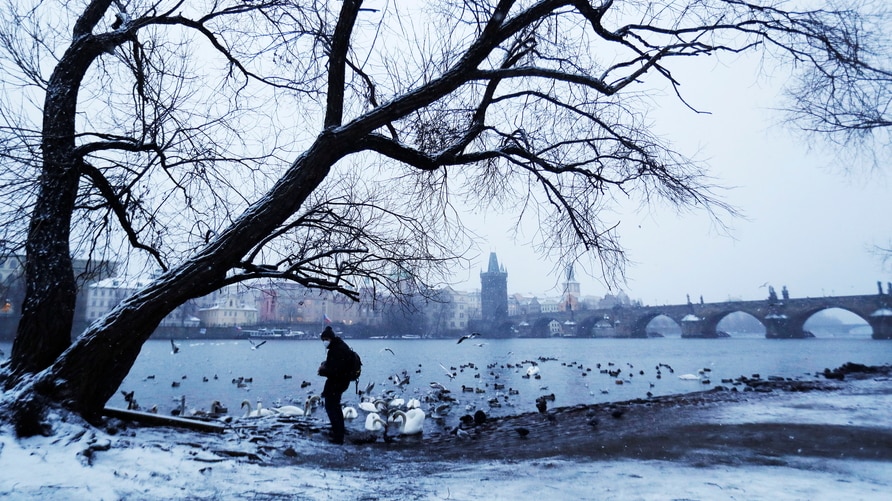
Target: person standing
335,370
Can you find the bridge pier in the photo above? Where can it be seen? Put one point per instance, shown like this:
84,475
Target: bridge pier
693,326
881,322
779,326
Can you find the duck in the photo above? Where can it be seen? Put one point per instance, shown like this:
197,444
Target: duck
217,408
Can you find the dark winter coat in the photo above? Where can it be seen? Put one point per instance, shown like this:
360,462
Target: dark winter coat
336,366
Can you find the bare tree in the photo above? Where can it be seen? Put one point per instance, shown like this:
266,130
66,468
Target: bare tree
330,142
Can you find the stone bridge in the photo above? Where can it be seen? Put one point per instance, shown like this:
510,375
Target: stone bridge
783,318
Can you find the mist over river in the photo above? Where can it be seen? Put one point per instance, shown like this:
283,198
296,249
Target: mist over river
492,371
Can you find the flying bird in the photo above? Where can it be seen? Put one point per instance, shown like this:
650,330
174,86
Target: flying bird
468,336
174,349
449,374
388,349
368,389
254,345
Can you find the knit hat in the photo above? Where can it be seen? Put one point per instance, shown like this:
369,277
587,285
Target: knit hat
327,333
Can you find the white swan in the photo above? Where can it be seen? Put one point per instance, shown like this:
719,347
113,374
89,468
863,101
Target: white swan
350,412
396,402
373,422
258,412
410,422
289,410
532,370
368,406
689,377
413,403
311,403
374,405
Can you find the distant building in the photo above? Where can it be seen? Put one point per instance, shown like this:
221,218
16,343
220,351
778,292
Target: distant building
12,286
12,282
105,294
102,296
451,311
551,305
494,292
523,305
230,310
286,303
610,300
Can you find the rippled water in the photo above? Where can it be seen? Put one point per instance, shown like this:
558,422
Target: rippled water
568,368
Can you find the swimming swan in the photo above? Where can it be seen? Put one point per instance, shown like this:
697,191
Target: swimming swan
289,410
368,406
411,422
373,422
258,412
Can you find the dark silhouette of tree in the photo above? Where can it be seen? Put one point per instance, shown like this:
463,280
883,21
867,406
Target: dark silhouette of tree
330,144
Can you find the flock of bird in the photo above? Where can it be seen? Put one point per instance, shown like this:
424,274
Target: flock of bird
401,409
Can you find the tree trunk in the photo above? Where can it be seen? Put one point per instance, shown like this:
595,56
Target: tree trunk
86,375
44,330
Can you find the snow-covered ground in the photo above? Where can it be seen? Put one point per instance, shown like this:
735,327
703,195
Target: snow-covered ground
163,464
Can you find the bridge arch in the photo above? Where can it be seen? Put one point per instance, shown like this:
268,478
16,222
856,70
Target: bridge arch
805,317
781,319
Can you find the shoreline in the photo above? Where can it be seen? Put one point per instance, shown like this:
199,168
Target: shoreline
821,439
680,427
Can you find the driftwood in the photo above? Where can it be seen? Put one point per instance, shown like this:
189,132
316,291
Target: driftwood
152,419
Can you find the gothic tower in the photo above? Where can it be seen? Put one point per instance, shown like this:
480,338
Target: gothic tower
494,292
571,291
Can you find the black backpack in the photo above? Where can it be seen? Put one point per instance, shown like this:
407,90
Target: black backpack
354,366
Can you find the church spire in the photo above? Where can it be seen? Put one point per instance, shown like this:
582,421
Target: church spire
493,263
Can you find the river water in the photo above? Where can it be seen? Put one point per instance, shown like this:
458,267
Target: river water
487,374
480,373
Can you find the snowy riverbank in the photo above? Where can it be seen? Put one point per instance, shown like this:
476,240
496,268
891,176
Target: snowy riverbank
833,443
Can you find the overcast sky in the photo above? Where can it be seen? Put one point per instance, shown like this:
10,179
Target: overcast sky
809,225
